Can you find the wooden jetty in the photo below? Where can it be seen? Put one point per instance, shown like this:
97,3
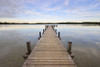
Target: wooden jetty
49,52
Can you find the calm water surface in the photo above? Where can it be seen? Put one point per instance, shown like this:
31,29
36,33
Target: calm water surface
13,40
86,43
85,39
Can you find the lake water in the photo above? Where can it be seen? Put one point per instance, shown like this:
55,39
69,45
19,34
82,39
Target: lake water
85,43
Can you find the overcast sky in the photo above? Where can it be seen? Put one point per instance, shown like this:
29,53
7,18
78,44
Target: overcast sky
49,10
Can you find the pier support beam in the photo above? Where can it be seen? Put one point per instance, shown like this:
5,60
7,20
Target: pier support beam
59,35
43,31
28,50
69,47
39,35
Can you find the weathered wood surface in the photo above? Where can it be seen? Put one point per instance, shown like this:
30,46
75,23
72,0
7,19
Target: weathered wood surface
49,52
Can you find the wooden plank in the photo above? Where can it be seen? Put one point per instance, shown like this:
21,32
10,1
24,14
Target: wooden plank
50,57
50,62
48,65
49,52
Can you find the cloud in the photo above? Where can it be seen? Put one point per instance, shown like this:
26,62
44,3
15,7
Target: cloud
87,15
49,8
8,8
47,5
32,12
66,2
83,10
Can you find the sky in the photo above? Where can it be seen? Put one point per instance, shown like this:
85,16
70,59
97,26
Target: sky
49,10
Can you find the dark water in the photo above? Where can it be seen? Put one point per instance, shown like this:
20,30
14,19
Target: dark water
85,39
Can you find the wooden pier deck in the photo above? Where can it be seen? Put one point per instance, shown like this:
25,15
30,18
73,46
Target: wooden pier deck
49,52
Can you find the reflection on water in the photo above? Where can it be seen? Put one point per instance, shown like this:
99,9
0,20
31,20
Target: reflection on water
13,43
85,38
86,43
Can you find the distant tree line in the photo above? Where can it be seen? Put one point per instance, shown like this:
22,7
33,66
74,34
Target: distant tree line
79,23
12,23
52,23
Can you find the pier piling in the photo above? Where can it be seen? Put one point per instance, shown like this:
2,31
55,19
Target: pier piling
28,48
43,31
69,47
39,35
59,35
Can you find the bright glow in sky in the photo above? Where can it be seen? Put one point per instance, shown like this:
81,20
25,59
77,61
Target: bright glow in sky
49,10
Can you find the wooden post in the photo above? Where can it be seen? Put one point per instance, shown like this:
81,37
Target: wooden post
69,47
28,48
39,35
46,26
59,35
43,31
52,27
